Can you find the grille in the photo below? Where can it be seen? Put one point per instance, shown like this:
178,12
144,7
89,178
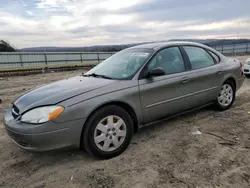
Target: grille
15,112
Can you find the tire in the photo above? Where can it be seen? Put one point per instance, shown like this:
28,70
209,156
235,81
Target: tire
92,132
230,97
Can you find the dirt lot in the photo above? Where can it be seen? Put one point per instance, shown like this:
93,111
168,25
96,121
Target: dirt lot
164,155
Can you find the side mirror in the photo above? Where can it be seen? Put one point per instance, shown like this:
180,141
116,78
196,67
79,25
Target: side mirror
158,71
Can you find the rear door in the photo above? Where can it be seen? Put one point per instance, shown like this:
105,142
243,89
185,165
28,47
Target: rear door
204,76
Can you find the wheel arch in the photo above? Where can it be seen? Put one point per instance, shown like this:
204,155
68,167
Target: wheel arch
231,79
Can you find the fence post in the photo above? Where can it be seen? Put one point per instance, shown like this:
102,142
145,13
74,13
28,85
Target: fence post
81,57
45,58
234,48
21,59
222,49
98,58
246,48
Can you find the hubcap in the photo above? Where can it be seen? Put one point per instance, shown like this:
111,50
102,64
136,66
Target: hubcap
225,97
110,133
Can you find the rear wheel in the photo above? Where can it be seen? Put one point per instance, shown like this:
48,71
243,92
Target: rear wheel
226,96
108,132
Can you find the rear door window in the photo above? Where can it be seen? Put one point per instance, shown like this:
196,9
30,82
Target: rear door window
198,57
216,57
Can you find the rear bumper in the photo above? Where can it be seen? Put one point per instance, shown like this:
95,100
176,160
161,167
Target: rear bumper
239,83
30,137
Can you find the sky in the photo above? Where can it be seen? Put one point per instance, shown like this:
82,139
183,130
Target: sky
73,23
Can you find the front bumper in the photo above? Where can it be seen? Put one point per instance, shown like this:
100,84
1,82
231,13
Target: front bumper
44,137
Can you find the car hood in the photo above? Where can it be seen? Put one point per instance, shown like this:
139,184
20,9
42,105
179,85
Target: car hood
59,91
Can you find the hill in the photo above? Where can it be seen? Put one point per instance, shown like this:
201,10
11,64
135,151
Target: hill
115,48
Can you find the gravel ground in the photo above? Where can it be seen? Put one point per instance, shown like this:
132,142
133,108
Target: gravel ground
163,155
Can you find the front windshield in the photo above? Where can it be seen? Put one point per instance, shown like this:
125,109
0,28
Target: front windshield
122,65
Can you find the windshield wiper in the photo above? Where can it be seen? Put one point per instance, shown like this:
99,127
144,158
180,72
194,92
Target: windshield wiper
97,75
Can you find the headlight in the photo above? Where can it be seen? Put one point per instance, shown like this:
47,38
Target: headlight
42,114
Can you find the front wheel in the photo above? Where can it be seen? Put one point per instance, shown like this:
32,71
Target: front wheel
108,132
226,96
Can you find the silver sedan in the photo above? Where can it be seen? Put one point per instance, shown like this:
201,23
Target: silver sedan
100,110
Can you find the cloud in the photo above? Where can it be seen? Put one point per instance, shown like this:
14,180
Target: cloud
88,22
47,4
17,23
29,12
222,25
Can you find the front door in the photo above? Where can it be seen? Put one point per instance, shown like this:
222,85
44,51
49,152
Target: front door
167,94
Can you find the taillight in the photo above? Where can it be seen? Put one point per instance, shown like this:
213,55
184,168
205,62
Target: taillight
238,61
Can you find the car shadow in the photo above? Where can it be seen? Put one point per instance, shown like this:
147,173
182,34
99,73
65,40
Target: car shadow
64,155
206,111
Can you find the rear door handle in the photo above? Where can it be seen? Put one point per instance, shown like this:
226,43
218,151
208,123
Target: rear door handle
220,72
184,80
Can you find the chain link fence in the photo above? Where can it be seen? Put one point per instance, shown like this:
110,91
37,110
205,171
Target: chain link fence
233,49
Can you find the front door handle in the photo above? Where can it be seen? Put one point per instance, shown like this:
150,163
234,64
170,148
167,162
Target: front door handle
185,80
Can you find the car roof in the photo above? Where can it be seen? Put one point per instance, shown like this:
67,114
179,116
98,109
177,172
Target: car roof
159,45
